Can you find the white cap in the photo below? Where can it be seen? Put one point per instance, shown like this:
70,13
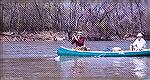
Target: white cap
79,33
139,35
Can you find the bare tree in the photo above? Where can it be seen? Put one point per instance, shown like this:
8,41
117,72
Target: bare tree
106,18
1,16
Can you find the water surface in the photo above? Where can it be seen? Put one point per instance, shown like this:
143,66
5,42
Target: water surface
35,61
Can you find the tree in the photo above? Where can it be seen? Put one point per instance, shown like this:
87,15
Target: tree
1,16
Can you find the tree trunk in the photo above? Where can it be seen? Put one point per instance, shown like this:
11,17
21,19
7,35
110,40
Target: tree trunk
1,16
12,16
40,16
24,17
140,15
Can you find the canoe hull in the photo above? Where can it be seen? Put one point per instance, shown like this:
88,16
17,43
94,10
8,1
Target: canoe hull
62,51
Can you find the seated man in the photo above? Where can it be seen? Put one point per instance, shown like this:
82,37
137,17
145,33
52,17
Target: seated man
79,40
138,44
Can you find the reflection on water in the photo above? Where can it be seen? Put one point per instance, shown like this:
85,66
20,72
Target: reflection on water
78,67
106,68
140,68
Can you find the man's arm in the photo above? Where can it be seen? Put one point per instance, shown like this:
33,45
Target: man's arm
74,39
144,43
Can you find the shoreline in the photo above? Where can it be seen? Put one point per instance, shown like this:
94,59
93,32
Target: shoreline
52,36
41,36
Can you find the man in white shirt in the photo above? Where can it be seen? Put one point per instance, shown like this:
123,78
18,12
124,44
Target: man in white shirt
138,44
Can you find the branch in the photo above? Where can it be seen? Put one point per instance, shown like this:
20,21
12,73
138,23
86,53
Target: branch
106,12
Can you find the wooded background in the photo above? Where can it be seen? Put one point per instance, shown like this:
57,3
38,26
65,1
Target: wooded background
103,19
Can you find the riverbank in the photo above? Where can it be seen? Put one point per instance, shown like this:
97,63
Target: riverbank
56,36
39,36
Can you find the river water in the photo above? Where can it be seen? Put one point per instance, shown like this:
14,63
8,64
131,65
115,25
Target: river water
35,61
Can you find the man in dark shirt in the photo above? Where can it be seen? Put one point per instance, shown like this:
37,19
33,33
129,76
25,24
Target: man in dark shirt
79,40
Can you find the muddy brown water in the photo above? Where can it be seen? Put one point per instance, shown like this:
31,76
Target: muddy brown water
35,61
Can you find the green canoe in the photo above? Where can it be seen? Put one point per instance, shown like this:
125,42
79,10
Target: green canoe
62,51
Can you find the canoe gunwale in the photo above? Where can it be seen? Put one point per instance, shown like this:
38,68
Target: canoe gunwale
62,51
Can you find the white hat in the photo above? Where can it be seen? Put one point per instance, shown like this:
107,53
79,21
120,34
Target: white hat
79,33
139,35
